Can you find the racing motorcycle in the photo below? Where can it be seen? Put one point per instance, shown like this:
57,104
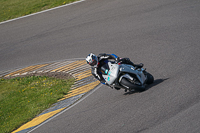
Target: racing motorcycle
128,77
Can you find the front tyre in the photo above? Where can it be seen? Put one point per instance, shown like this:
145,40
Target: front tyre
126,83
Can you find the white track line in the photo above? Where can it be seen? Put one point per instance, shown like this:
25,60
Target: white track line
42,11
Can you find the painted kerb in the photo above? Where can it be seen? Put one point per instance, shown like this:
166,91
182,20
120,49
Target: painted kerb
84,83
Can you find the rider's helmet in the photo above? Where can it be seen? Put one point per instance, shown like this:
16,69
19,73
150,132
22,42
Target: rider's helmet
92,59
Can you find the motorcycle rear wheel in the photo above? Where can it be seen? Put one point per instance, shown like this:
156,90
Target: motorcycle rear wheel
127,83
150,78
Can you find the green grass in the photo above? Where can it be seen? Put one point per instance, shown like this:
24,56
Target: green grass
15,8
21,99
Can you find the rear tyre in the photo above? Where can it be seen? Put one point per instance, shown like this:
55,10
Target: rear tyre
127,83
150,78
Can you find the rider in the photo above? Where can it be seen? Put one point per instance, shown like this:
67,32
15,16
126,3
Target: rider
96,62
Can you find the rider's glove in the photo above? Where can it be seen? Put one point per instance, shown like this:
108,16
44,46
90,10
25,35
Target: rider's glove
104,83
117,59
120,59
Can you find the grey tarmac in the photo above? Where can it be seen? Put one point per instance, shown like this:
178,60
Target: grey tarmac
163,35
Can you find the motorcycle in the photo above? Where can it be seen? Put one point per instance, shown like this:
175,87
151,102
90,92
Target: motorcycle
128,77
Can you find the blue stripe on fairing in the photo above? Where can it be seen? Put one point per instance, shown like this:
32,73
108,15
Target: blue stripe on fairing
114,55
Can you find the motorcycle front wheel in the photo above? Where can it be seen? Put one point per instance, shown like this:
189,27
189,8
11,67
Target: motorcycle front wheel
130,85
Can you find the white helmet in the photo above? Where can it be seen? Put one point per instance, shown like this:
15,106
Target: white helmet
92,59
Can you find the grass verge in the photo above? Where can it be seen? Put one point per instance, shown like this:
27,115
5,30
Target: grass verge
21,99
16,8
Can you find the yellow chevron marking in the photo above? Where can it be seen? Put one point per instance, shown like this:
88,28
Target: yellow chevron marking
80,63
83,76
38,120
60,68
81,73
81,90
27,69
70,66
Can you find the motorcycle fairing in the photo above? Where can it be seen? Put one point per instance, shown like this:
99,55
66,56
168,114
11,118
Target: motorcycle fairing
130,69
112,74
112,71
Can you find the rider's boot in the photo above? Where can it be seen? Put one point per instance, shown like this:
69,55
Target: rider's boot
117,88
138,65
126,61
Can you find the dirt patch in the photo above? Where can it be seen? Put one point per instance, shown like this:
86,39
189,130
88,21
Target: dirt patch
59,75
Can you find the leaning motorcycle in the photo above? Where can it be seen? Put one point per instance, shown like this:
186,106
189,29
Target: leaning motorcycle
128,77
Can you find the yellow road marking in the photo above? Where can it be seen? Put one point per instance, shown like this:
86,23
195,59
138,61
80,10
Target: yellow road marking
73,67
57,69
81,90
83,76
70,66
27,69
38,120
81,73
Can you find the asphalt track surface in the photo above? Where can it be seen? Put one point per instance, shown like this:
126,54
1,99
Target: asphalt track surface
164,35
